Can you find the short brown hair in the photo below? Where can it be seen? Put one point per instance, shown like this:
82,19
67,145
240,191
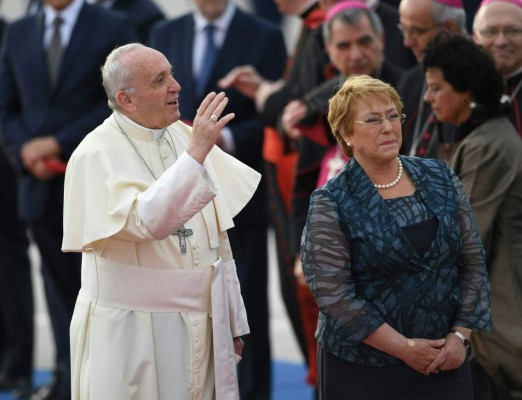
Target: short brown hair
356,89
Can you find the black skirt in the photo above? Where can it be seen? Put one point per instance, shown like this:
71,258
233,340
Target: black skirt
342,380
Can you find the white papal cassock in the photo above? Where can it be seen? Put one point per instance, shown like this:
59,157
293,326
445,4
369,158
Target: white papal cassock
150,322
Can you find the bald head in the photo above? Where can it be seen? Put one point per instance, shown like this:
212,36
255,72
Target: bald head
421,20
498,28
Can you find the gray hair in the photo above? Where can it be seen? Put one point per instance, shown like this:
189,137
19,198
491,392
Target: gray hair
352,16
114,76
441,13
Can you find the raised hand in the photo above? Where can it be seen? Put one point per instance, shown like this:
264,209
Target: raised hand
208,124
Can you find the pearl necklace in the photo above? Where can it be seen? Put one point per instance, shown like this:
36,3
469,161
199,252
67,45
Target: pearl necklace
395,181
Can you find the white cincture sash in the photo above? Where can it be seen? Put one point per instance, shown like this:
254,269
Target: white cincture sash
123,286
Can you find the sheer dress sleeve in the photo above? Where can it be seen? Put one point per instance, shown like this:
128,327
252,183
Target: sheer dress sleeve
325,254
473,278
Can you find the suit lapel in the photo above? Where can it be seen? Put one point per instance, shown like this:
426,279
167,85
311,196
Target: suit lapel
37,57
228,53
82,28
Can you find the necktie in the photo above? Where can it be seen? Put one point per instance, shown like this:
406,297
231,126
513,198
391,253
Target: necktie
209,57
54,52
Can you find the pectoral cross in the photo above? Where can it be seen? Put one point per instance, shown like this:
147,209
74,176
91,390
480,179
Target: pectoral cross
182,234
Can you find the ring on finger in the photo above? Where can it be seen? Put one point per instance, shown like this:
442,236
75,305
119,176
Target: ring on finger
213,117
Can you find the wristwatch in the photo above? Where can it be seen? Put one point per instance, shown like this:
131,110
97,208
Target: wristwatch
462,338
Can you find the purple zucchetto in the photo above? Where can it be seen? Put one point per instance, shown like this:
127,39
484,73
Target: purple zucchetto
345,5
451,3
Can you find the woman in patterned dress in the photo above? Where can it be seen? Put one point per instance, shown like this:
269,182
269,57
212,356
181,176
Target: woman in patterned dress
394,260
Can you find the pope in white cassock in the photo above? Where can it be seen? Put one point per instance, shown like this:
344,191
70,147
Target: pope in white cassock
148,201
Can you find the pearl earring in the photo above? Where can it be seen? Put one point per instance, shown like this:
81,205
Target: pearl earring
348,144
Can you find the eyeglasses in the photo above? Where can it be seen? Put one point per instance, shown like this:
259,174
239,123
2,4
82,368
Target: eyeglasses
376,121
414,32
509,33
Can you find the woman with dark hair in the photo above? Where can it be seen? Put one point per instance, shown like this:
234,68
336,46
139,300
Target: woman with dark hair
465,89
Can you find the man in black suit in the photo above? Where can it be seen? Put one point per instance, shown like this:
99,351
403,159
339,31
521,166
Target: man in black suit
50,98
142,13
237,38
16,292
421,20
395,51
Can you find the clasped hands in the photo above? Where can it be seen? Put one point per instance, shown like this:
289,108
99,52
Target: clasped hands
36,151
432,356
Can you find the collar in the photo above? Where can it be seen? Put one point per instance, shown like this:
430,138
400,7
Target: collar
513,74
69,14
137,131
479,116
222,23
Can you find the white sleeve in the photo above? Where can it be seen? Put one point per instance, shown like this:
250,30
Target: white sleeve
180,192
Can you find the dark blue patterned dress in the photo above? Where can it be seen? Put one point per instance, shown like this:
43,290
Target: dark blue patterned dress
366,266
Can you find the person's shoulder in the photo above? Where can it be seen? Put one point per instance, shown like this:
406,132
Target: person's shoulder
182,127
138,6
24,22
424,164
340,182
21,31
391,73
255,22
384,10
173,24
104,139
410,86
502,125
420,161
104,15
497,135
413,75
